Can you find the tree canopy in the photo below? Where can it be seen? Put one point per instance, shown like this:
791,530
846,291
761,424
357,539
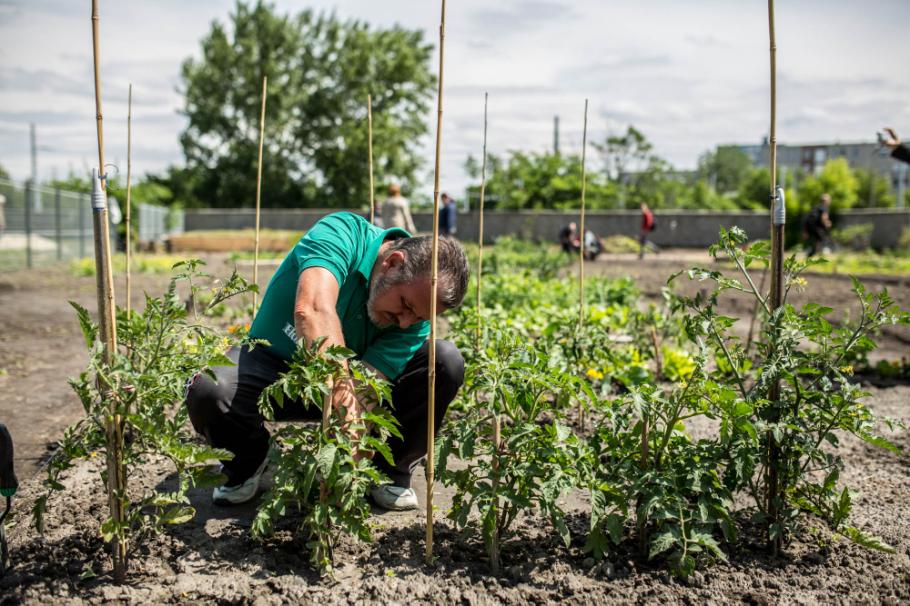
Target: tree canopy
320,70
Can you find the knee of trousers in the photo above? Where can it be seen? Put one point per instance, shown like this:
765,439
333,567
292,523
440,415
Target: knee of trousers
449,365
203,401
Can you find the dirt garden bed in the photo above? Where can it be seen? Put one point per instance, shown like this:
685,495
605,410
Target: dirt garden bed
212,559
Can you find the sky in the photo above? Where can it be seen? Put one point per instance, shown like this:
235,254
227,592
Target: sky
690,75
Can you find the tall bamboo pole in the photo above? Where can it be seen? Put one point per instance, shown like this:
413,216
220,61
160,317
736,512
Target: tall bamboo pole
259,195
129,187
370,151
116,476
778,220
581,228
431,387
497,430
483,185
581,252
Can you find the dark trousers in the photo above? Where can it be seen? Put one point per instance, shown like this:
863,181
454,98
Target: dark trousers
226,412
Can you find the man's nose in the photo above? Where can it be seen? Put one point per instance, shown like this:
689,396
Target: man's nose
405,320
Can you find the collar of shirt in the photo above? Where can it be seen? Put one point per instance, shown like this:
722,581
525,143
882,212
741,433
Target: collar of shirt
365,268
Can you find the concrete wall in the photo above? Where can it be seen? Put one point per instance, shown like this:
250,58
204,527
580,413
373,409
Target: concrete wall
685,228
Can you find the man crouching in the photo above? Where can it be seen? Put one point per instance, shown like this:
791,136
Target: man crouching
363,288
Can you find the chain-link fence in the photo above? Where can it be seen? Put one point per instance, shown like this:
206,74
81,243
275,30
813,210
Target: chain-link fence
40,226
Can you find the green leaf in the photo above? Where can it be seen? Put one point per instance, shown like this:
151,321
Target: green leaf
325,459
178,515
614,526
866,540
661,543
880,442
89,329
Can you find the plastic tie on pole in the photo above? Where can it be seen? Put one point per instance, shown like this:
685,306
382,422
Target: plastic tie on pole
779,215
99,201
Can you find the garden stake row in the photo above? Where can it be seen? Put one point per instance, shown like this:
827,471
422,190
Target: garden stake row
258,196
778,219
370,154
116,477
129,185
434,275
581,252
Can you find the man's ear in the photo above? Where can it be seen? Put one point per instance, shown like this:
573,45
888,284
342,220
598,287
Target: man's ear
393,259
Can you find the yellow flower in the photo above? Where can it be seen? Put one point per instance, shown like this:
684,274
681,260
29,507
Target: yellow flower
847,370
593,373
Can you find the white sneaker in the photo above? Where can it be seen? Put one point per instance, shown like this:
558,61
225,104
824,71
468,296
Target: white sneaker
235,495
395,498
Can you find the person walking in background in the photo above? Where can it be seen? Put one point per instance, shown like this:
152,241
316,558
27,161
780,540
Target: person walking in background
448,216
899,151
647,226
817,229
568,238
396,211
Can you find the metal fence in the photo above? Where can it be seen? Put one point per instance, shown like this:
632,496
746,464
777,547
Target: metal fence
41,226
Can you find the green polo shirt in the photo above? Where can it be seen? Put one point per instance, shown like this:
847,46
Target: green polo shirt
346,245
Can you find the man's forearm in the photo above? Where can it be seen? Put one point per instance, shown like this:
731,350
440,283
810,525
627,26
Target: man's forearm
312,324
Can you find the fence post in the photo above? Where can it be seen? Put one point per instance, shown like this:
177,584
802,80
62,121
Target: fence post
28,223
81,209
57,227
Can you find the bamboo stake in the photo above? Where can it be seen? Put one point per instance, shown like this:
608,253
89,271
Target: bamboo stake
370,148
129,185
326,415
105,286
258,196
431,388
581,252
581,230
777,249
497,429
483,185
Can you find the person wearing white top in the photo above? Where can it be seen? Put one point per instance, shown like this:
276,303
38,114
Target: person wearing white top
396,211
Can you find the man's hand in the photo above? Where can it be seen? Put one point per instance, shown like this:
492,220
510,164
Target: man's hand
891,141
344,400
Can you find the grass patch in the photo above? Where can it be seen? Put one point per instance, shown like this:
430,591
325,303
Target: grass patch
141,264
865,263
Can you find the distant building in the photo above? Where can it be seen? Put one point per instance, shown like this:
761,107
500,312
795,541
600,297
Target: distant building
810,159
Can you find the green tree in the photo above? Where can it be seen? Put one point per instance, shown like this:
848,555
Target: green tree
836,180
725,169
754,190
540,181
873,190
320,71
4,174
627,152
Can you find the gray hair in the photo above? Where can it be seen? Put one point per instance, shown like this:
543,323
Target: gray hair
453,266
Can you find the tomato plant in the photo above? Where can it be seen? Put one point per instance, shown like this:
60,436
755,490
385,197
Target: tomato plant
159,349
324,471
532,464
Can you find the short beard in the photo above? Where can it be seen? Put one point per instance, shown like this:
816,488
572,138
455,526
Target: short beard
378,286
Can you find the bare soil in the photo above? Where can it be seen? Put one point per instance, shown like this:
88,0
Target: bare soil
212,559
